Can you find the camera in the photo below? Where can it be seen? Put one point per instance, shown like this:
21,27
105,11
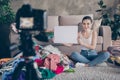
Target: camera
27,20
31,19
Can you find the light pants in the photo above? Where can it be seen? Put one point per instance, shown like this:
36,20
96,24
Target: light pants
90,57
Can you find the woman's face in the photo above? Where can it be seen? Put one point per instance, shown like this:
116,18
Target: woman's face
86,24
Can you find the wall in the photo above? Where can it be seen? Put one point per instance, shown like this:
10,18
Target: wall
65,7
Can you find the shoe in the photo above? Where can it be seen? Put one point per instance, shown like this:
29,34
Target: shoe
79,64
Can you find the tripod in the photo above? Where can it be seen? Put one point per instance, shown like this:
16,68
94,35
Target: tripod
28,52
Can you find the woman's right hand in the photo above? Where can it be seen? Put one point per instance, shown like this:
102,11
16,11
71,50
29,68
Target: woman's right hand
79,40
67,44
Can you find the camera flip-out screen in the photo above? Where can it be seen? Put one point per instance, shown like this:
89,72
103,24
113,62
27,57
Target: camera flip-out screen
26,22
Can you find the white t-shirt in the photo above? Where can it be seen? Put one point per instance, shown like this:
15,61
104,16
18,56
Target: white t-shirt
86,40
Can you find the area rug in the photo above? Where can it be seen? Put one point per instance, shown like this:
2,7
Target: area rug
91,73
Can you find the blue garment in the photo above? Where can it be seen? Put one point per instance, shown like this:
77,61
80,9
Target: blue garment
8,76
90,57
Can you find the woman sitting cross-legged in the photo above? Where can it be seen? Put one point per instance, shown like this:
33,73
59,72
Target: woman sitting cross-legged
87,38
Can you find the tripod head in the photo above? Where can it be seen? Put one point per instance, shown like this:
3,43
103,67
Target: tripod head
26,44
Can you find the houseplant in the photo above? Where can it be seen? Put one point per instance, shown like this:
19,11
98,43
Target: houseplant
110,20
6,18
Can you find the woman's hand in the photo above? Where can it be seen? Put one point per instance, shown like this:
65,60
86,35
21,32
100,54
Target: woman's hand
67,44
79,40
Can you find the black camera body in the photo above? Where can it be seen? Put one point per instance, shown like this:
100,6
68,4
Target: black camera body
31,19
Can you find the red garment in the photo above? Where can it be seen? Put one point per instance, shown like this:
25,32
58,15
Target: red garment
59,69
39,62
51,61
37,48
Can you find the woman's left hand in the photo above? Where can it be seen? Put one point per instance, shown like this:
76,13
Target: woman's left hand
79,41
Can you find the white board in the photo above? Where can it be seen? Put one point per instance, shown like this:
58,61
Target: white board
65,34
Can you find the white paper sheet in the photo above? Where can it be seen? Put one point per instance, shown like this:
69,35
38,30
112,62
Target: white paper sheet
65,34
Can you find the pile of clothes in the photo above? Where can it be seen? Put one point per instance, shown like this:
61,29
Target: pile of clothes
47,63
115,55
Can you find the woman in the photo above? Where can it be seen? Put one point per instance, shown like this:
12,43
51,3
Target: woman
87,38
